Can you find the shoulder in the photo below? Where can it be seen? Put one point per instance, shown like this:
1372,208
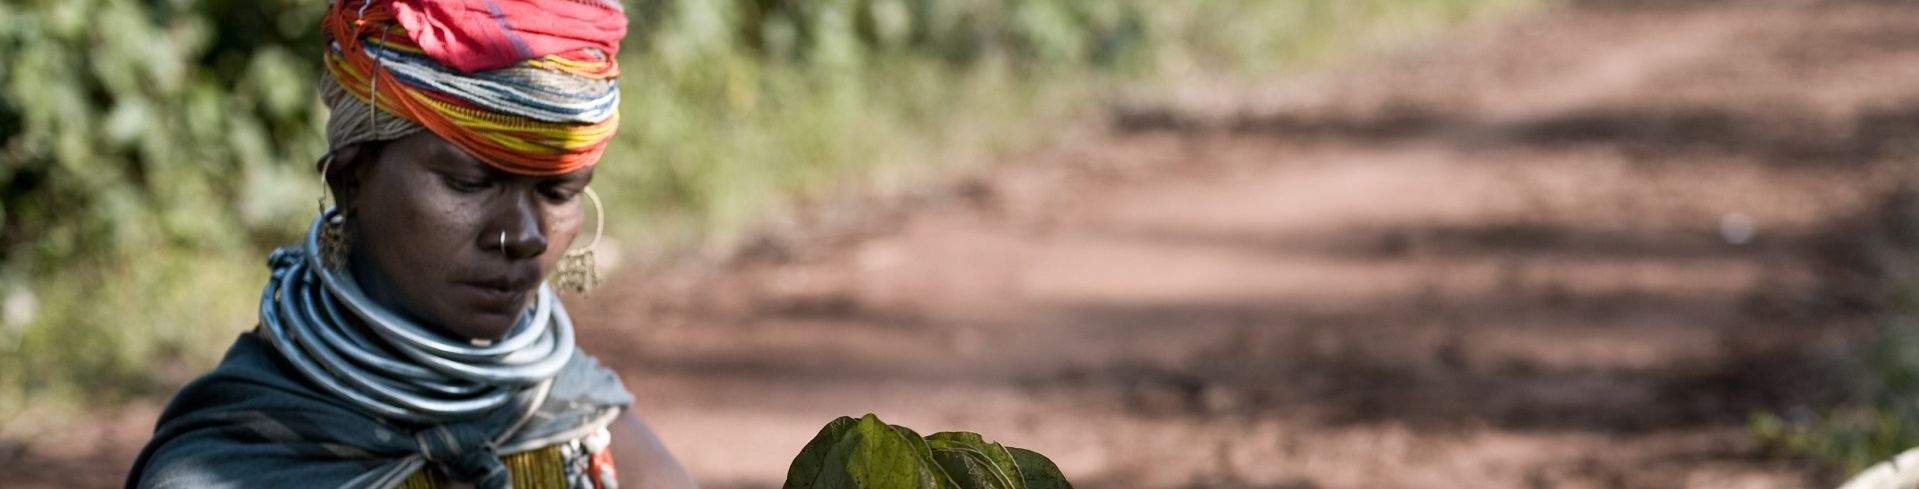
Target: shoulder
584,379
248,423
643,460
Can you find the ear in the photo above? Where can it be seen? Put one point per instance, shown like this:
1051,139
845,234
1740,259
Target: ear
343,170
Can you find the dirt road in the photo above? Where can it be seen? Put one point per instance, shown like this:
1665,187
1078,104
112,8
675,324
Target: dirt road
1574,249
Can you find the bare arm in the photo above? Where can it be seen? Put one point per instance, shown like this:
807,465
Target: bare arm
643,461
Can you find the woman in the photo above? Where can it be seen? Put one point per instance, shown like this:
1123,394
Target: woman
411,341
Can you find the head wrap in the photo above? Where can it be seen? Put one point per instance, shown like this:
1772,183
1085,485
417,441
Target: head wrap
527,86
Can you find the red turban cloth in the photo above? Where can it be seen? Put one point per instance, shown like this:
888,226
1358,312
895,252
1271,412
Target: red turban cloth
527,86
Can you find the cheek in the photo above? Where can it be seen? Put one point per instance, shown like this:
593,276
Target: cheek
419,226
563,233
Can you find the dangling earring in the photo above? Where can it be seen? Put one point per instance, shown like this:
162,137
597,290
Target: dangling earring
578,273
334,238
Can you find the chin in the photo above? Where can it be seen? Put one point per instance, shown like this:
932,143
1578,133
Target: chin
482,320
488,327
467,323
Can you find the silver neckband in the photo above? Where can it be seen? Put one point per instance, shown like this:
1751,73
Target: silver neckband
305,312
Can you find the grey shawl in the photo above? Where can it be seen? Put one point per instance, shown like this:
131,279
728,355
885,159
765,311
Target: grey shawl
255,422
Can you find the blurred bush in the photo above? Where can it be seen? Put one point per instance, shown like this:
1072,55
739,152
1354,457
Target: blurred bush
152,151
1879,418
144,148
1872,412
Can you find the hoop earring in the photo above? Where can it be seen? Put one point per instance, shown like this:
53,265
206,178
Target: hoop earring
335,240
578,272
326,191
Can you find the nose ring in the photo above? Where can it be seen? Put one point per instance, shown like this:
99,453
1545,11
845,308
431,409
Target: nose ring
502,242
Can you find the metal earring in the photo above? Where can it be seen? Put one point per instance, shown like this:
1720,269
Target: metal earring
578,272
335,240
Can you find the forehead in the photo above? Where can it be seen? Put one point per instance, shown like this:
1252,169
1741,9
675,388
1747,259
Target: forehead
428,149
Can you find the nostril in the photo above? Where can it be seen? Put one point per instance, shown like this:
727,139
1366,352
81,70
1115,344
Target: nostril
526,244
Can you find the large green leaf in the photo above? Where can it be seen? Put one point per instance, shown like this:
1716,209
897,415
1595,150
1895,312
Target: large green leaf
971,469
1038,471
807,466
937,475
988,464
875,456
869,454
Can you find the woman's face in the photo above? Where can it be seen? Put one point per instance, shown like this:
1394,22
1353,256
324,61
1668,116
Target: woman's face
449,241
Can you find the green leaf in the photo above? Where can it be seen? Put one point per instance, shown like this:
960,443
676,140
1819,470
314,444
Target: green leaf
939,479
971,469
874,455
807,465
834,471
998,465
869,454
1038,471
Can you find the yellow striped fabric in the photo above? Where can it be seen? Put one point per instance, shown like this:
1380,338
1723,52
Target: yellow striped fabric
539,469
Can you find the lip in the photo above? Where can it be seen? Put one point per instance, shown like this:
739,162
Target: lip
504,295
497,300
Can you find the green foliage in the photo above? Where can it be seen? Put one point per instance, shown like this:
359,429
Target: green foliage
1880,421
143,148
866,453
152,152
1876,415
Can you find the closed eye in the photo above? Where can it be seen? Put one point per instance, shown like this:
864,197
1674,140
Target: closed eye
463,185
560,193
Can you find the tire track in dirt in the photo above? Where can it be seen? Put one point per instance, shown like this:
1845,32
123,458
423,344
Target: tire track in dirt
1501,260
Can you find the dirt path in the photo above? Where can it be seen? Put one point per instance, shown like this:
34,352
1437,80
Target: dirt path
1573,250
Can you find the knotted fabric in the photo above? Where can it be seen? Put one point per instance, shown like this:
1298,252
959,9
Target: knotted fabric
465,455
528,86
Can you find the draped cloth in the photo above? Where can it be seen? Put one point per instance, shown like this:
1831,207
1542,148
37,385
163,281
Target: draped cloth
527,86
253,422
475,35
